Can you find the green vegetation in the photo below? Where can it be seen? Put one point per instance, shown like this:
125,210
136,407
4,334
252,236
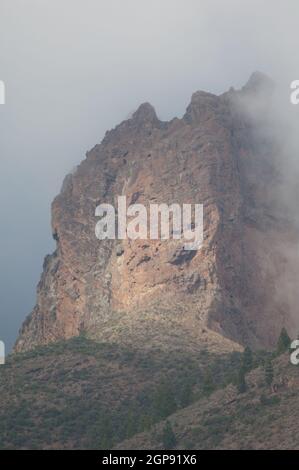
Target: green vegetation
185,393
168,437
241,382
247,365
208,383
269,373
269,401
247,360
84,394
259,418
284,342
164,400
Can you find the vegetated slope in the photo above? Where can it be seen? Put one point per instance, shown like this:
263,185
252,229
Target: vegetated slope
263,417
82,394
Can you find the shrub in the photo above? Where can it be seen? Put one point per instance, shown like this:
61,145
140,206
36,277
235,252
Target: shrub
168,437
241,382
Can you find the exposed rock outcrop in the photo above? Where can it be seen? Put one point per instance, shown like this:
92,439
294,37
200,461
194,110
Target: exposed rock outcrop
150,292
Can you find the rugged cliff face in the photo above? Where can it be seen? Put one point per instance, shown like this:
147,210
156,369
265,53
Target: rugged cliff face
149,293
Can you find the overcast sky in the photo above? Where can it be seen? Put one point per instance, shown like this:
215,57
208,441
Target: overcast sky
75,68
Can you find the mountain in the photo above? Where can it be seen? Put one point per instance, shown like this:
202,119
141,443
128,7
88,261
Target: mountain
140,343
240,288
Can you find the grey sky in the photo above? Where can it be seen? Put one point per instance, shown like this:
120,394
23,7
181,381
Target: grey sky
75,68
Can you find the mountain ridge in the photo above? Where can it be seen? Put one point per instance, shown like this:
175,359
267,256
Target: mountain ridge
130,292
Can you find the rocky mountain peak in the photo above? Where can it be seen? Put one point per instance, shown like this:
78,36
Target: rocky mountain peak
259,83
201,107
145,113
146,292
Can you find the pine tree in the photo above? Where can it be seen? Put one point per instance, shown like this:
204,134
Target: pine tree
269,373
208,385
184,393
164,401
131,423
104,432
247,360
168,437
284,342
241,382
